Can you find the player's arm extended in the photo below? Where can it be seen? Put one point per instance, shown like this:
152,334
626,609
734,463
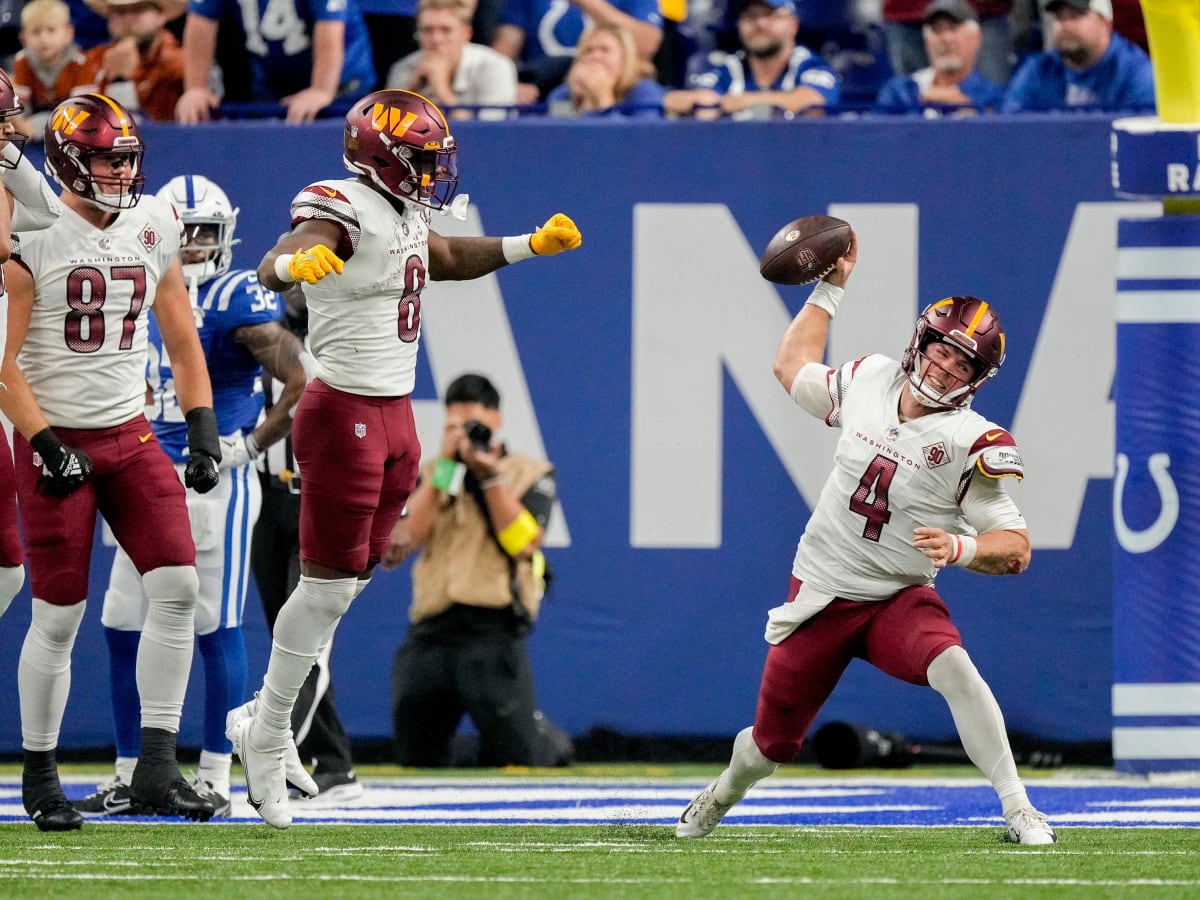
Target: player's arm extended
804,341
1002,545
16,399
173,310
463,258
279,352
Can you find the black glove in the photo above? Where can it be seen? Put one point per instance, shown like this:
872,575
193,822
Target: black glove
204,450
64,469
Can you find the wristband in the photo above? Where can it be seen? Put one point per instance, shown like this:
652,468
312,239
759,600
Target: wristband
964,550
517,247
253,450
448,476
282,261
519,533
826,296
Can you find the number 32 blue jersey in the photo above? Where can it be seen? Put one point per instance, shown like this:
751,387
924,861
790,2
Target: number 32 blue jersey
225,304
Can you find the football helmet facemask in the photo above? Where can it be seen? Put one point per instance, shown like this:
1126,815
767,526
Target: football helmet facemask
967,323
401,142
209,220
94,132
10,107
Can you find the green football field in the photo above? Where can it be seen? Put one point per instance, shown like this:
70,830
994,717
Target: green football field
628,848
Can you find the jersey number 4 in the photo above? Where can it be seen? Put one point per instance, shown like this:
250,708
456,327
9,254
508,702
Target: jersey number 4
84,326
870,498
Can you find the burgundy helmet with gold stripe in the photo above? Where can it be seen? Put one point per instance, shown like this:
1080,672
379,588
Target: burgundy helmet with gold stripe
10,107
971,325
401,142
94,150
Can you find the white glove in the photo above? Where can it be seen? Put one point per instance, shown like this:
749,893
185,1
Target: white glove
239,451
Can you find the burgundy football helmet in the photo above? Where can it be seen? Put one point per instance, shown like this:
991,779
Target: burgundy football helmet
971,325
86,127
400,140
10,106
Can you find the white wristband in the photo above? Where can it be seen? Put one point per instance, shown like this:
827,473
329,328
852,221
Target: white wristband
826,296
517,247
282,261
964,550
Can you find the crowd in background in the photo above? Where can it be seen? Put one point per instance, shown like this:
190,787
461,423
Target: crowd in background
193,60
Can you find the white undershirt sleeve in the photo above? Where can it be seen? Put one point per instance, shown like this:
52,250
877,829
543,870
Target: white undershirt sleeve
810,389
988,507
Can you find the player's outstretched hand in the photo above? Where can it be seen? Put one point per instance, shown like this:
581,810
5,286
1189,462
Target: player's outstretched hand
64,469
557,235
311,265
201,472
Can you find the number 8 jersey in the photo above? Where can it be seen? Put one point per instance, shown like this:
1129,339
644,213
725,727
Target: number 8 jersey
85,353
890,477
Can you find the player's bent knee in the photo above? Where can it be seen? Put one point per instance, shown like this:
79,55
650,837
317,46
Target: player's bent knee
173,584
950,669
53,624
331,596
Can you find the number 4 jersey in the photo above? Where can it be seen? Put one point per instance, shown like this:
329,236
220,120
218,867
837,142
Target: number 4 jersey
85,353
890,477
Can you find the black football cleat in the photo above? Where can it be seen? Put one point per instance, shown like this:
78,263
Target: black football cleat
48,806
161,791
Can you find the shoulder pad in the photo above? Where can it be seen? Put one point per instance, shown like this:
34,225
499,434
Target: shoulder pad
998,454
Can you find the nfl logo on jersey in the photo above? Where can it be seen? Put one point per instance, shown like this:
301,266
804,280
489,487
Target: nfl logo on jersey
360,430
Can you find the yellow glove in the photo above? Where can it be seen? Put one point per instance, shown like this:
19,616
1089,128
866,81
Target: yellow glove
557,235
310,266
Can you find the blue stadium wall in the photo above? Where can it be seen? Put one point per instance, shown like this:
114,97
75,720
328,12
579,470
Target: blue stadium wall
642,365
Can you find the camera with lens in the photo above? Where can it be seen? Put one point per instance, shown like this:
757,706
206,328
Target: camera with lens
478,434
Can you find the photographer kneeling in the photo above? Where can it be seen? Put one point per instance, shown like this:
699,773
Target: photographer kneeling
477,517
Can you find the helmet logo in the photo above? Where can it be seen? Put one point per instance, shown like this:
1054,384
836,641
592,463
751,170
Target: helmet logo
68,118
392,120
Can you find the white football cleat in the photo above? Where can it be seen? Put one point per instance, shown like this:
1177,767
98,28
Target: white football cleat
266,784
1028,826
702,815
297,776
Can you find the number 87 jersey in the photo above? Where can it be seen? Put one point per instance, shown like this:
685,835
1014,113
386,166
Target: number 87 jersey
890,477
85,353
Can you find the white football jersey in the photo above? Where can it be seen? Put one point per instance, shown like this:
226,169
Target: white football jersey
888,478
85,353
365,324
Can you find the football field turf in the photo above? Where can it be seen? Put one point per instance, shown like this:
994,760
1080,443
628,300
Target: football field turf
568,834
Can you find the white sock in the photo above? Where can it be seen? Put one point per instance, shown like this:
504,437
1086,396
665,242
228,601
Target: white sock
747,766
125,767
214,768
307,619
44,672
164,658
979,722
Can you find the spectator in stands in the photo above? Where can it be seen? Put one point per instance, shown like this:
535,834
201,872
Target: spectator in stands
903,21
770,73
450,70
324,56
541,36
50,67
951,81
477,516
142,66
1089,67
608,79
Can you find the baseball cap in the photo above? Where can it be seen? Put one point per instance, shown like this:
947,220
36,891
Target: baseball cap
774,4
1103,7
958,10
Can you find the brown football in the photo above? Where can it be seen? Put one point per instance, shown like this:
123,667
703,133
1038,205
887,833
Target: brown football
805,250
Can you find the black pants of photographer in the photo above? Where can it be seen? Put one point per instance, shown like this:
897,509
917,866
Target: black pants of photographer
275,562
474,661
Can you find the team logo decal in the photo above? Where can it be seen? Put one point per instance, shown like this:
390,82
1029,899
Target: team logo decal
892,434
360,430
935,455
150,238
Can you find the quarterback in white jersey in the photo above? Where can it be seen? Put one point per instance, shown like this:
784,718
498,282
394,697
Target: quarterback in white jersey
365,252
916,487
80,293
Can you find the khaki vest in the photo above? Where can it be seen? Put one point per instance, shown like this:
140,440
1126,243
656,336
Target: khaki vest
462,563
